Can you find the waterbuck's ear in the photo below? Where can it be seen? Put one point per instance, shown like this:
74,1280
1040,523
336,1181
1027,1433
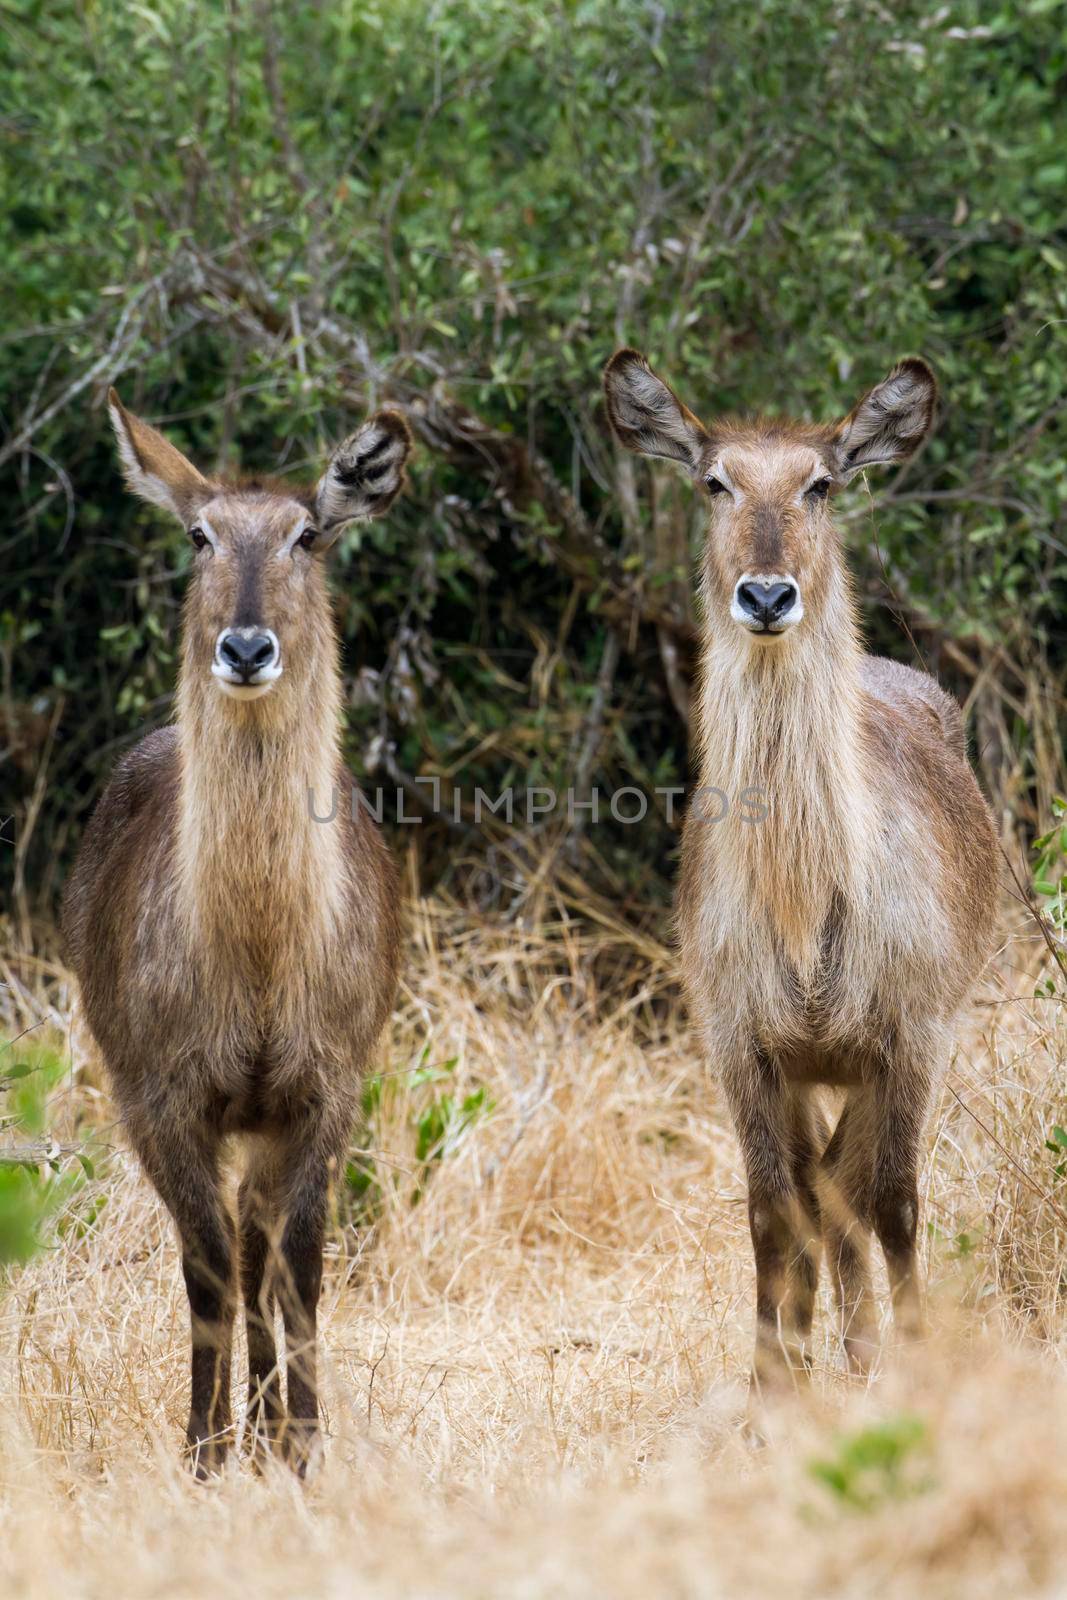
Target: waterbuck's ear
890,422
153,468
647,415
365,474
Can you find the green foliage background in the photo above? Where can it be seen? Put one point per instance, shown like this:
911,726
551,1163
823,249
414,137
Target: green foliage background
259,220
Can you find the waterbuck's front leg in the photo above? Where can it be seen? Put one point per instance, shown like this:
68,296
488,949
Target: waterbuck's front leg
877,1163
785,1238
901,1097
183,1163
257,1208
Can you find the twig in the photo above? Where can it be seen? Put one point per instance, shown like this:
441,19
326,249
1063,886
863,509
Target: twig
1023,1174
590,733
533,1102
33,811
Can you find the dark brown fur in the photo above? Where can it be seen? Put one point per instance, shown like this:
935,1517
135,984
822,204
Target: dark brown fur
237,960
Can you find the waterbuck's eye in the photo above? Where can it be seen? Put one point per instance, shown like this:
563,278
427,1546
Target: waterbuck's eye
199,537
819,489
307,538
715,486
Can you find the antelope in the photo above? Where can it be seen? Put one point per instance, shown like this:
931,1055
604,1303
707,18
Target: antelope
237,959
831,945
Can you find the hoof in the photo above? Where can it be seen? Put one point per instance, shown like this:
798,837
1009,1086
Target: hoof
753,1427
861,1355
303,1449
206,1455
264,1427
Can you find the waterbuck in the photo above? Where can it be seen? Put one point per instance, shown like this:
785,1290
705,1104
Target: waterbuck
832,943
237,958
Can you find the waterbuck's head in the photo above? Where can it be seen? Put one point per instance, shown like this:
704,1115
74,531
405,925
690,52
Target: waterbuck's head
772,554
257,617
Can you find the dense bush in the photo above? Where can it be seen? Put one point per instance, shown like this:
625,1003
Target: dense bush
260,220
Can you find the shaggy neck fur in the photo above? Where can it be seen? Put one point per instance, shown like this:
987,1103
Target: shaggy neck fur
260,879
784,718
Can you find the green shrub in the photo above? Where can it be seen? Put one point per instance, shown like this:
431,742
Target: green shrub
39,1178
464,213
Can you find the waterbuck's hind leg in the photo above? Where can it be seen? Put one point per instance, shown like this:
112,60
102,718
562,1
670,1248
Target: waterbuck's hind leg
847,1240
183,1163
258,1223
311,1156
872,1163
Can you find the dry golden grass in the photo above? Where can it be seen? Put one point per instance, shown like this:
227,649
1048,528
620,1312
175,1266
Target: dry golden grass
535,1375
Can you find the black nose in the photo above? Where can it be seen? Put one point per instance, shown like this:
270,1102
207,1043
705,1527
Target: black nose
247,656
766,602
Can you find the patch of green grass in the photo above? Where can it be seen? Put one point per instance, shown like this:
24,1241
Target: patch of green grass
439,1120
1057,1143
39,1178
889,1460
1050,885
958,1246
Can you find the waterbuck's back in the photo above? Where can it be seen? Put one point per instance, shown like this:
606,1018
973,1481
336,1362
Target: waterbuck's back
950,858
916,695
126,861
